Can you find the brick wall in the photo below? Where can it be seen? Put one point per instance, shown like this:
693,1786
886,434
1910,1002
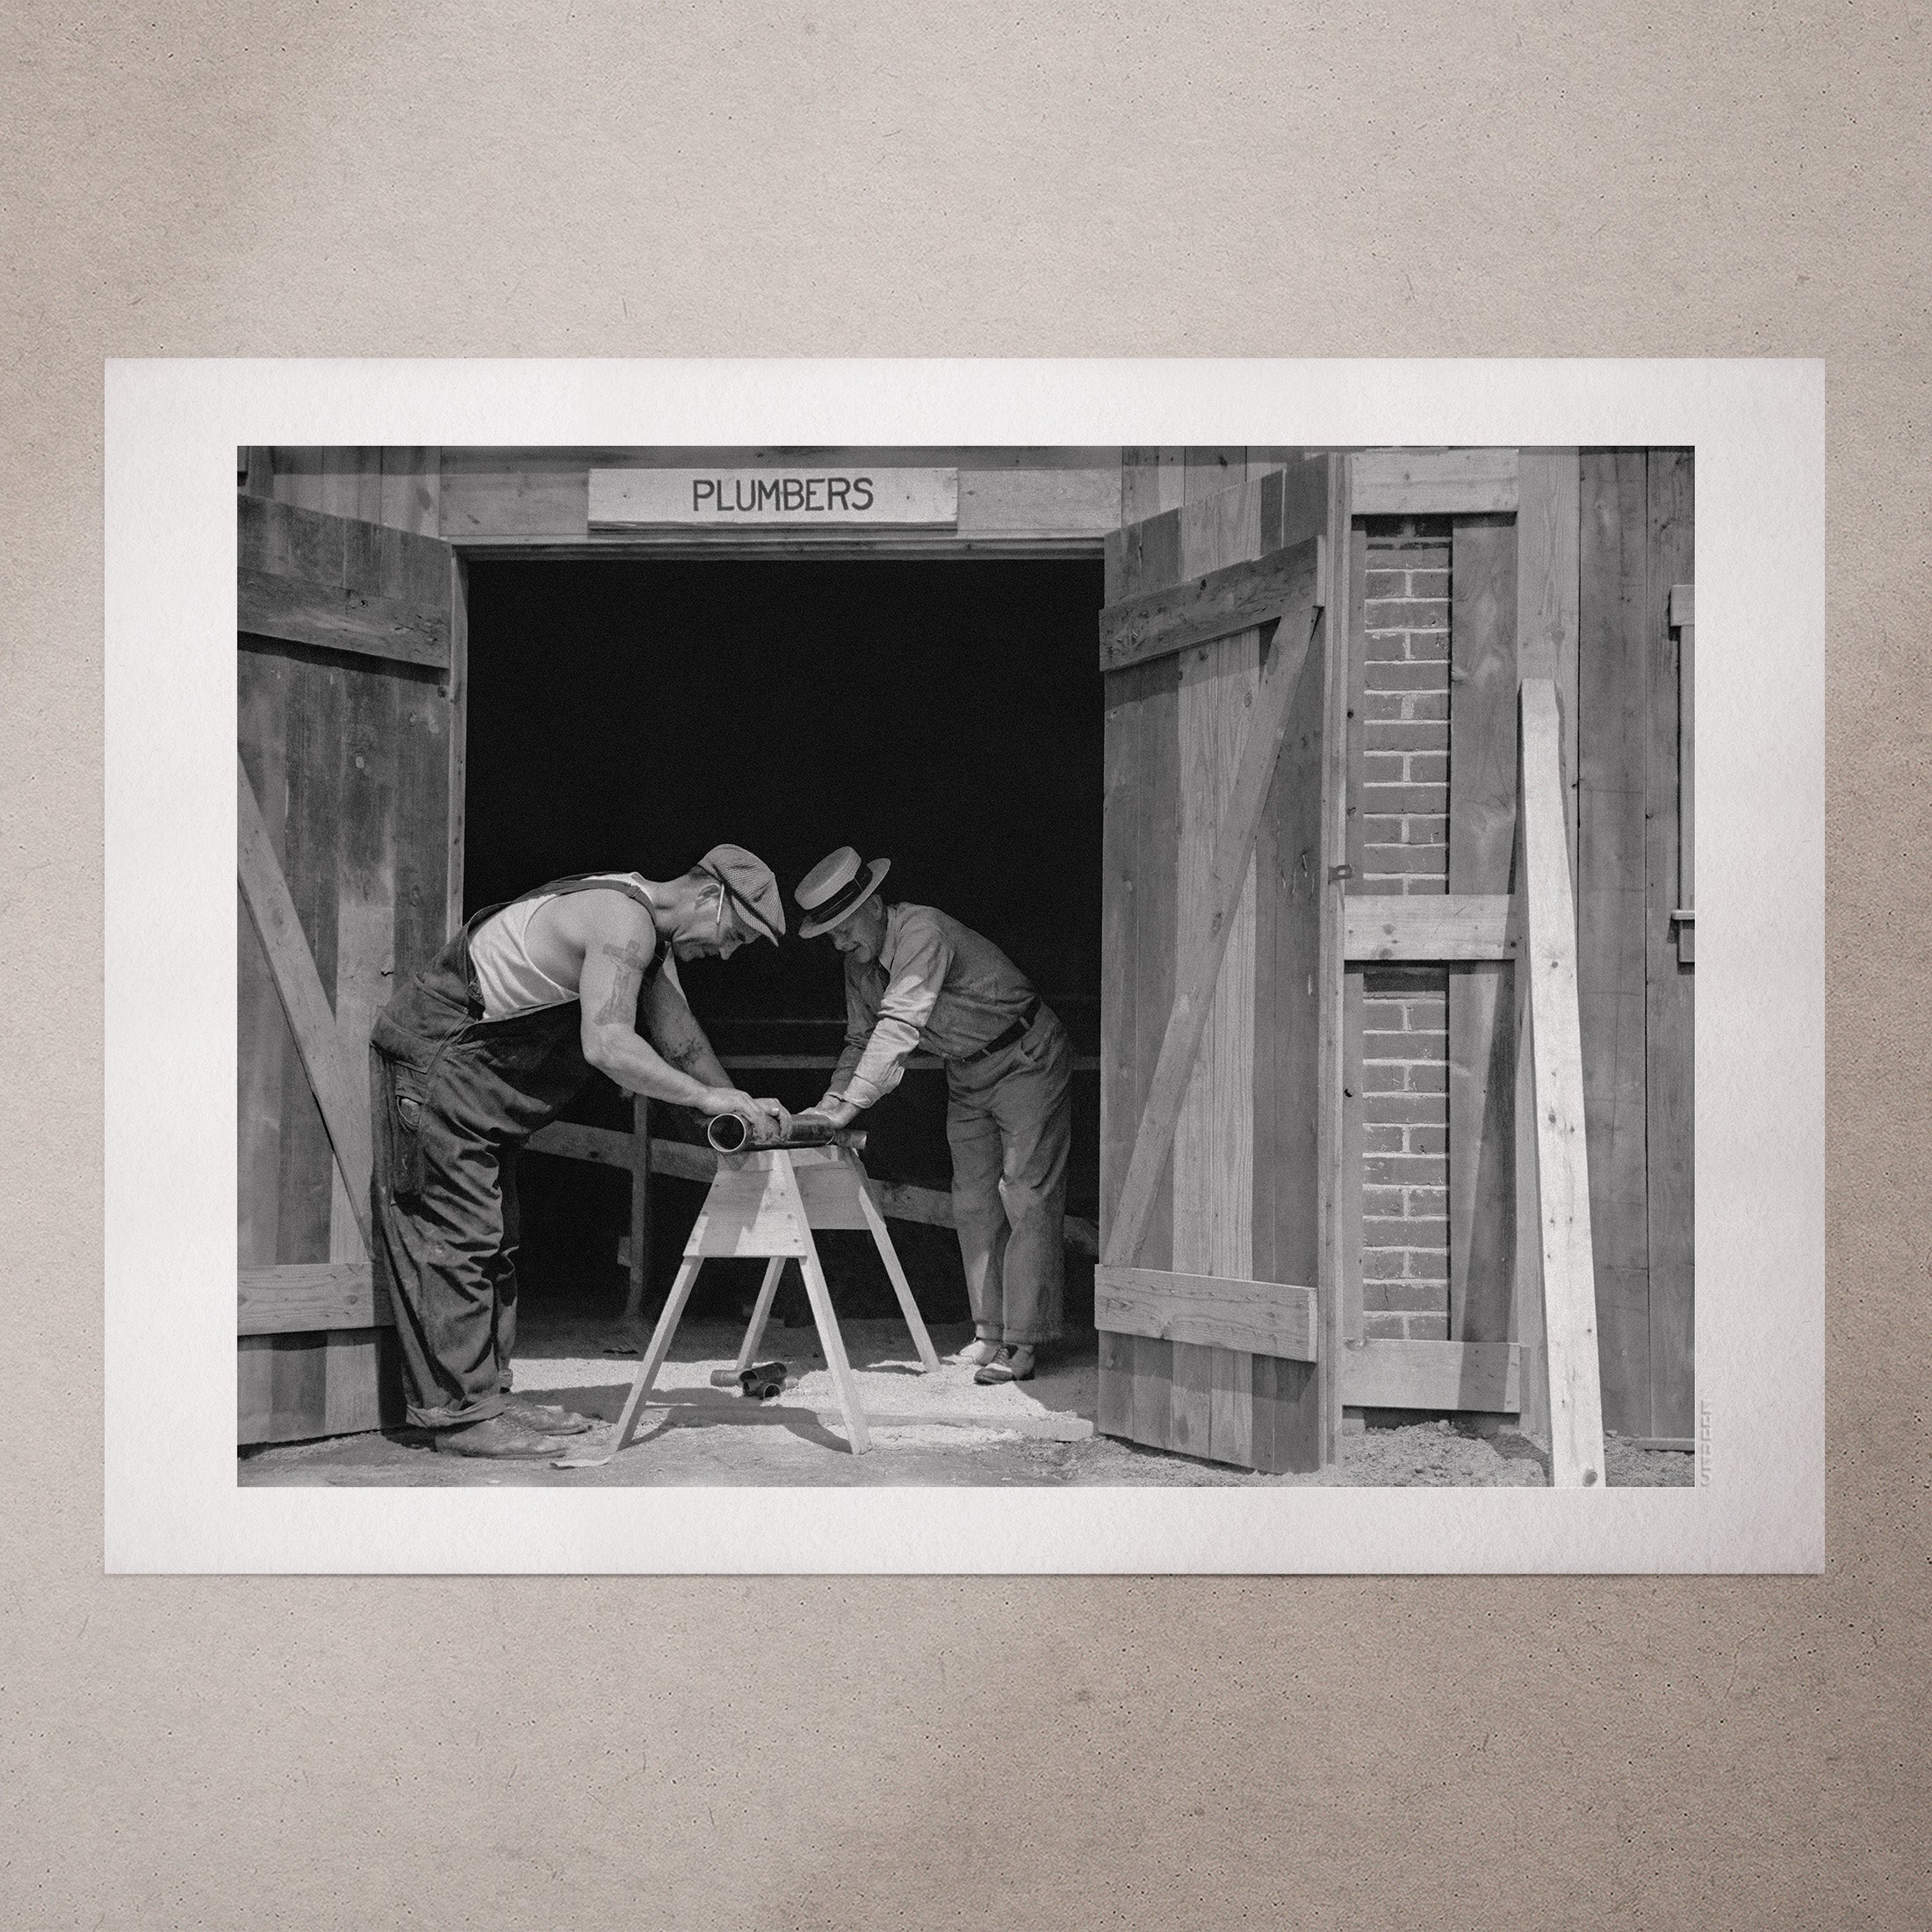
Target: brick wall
1404,807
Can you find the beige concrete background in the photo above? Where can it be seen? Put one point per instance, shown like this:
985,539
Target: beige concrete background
1256,179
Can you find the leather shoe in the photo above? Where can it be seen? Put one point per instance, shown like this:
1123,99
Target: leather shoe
1015,1364
549,1418
501,1436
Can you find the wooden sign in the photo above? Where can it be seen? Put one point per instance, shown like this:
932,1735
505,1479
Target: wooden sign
735,498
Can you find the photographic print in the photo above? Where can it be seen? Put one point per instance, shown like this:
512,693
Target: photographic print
1150,978
966,966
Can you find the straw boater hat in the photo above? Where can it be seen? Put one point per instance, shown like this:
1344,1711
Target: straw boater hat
836,887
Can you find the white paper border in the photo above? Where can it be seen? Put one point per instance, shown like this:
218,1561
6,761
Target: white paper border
172,431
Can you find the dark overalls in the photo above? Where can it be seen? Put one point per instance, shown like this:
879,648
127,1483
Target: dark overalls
452,1099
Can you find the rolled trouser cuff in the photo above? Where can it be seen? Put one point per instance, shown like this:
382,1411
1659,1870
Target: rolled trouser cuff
460,1415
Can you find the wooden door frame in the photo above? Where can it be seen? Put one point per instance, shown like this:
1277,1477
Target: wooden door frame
637,1151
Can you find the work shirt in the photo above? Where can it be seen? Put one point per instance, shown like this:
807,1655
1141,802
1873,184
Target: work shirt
935,985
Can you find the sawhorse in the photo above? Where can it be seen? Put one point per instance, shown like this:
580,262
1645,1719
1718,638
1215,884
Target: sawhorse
765,1201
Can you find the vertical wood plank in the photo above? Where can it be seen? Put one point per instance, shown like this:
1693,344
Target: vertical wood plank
1211,472
1321,1409
366,891
1121,846
1155,934
340,482
640,1208
264,1052
455,730
1136,919
314,770
1190,1407
1153,1391
1483,803
1214,1139
298,477
412,490
1613,709
1114,1415
1213,1156
1151,480
1288,1437
1349,1202
1287,1078
1230,1422
1670,1193
1547,592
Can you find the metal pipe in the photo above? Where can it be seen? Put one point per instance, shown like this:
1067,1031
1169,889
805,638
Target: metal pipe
733,1133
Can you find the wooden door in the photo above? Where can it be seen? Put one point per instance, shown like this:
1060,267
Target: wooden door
1221,1079
350,653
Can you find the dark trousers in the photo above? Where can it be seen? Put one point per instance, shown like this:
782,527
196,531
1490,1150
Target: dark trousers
444,1216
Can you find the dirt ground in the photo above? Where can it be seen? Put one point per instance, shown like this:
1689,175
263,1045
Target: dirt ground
928,1430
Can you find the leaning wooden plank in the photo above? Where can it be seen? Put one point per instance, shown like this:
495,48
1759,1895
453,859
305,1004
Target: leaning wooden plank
298,612
1238,597
1436,1376
1546,588
1434,482
1429,928
1533,1419
1570,1275
338,1095
1203,949
306,1296
1264,1318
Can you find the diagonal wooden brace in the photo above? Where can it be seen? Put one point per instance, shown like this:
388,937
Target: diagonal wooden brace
341,1091
1202,952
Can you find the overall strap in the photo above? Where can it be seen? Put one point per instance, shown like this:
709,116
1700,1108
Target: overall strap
558,888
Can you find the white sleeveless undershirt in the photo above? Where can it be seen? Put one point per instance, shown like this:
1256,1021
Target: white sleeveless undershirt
510,980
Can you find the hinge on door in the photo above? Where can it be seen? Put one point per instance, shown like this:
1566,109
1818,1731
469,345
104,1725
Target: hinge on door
1339,872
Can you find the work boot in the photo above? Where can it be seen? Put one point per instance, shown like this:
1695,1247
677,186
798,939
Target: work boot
501,1436
548,1419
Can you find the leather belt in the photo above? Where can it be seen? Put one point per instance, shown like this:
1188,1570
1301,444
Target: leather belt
1017,1031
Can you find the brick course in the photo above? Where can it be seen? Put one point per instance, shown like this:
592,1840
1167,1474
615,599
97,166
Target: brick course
1403,806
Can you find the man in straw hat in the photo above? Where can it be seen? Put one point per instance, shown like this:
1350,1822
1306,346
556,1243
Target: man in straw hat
916,978
485,1045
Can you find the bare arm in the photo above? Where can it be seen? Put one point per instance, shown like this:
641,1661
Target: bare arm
674,1031
619,942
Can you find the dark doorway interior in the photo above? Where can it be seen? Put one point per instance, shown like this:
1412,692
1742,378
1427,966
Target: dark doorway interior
945,714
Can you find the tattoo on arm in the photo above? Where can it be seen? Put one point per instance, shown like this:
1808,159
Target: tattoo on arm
627,964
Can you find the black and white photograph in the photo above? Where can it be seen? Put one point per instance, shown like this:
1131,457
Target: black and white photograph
966,966
973,993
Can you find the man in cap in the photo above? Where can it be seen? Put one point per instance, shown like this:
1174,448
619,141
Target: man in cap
915,978
487,1044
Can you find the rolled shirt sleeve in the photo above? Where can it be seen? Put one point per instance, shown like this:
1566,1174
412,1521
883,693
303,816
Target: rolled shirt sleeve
916,974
